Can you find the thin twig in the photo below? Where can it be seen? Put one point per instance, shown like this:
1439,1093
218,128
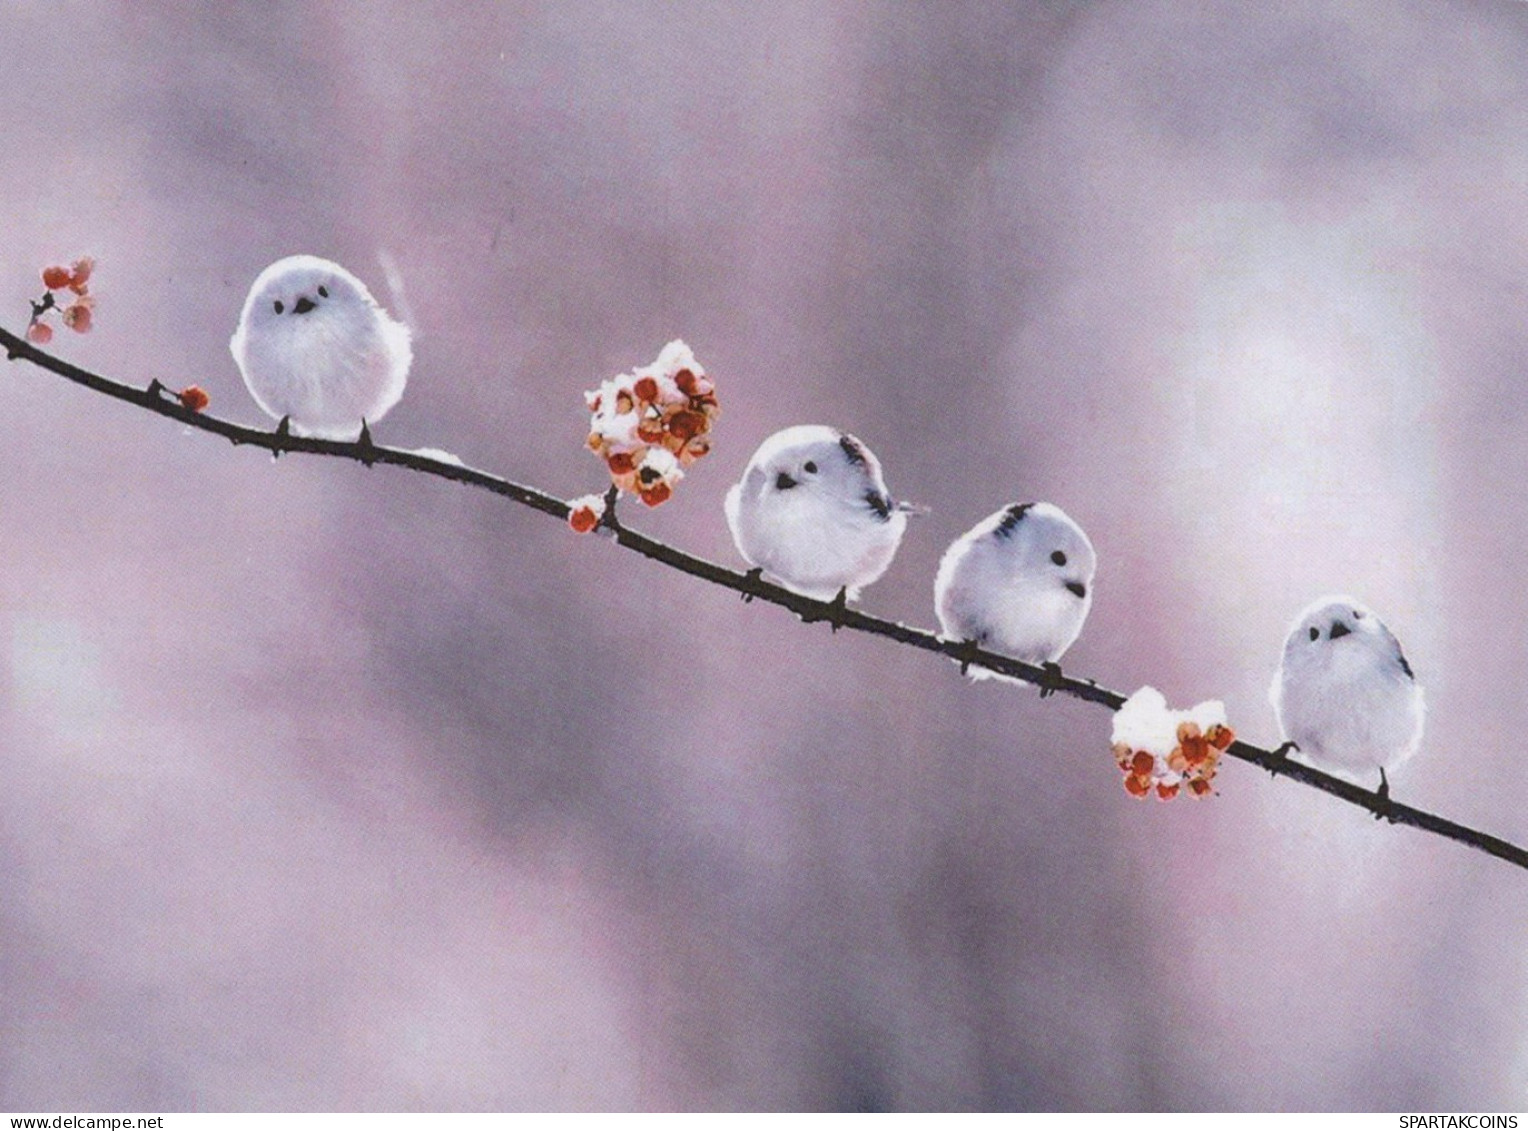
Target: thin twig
750,585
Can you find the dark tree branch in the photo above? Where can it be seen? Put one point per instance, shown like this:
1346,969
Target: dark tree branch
750,585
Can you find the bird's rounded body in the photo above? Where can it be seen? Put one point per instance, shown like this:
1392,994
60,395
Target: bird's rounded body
812,512
1349,702
315,347
1020,582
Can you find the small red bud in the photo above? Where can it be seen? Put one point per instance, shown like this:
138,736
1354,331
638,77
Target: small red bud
656,494
55,278
194,397
39,333
77,317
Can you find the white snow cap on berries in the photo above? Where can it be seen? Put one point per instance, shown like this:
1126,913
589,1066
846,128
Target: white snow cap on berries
1160,749
650,423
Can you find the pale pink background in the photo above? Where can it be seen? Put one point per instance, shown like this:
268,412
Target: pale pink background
331,788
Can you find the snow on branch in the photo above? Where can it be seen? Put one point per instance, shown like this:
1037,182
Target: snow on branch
186,407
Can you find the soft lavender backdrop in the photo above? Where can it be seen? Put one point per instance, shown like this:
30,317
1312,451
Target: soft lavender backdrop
329,788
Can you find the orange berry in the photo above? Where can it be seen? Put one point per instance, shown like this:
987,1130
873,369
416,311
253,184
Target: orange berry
1166,792
621,463
595,441
1199,787
1188,730
194,397
686,382
646,389
686,424
55,278
1221,736
77,317
1142,763
79,273
656,494
623,403
1135,786
583,519
39,333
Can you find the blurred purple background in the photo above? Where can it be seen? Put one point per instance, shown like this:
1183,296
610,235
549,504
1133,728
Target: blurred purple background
331,788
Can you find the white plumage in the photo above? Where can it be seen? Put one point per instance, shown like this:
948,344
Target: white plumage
1344,692
812,511
313,345
1019,582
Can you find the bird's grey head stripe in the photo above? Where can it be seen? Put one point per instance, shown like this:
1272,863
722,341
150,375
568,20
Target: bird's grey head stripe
1011,518
852,448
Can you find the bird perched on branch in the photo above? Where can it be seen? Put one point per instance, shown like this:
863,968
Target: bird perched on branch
1345,697
317,351
812,511
1019,582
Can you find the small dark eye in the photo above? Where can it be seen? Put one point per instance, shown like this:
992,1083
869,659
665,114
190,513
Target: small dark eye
323,292
1357,615
279,307
1315,634
1059,558
810,467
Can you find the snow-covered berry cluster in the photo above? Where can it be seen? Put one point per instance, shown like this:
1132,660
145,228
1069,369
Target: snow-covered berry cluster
1165,752
650,424
79,311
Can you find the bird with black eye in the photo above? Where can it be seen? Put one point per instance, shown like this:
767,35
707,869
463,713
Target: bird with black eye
1020,582
317,352
812,511
1346,698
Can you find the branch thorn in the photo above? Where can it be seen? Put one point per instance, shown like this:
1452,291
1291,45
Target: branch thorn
965,653
750,580
609,520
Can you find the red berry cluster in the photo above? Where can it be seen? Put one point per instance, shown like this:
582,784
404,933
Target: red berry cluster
650,424
1163,752
80,311
1191,763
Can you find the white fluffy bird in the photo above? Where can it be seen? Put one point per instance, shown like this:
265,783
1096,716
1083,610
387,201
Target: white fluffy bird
1019,582
1345,696
812,511
316,349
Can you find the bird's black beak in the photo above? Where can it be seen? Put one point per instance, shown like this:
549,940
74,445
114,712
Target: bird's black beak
303,305
1339,630
784,482
1079,590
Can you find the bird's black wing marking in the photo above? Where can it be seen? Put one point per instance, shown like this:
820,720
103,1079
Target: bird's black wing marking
852,448
1011,518
1405,667
880,503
